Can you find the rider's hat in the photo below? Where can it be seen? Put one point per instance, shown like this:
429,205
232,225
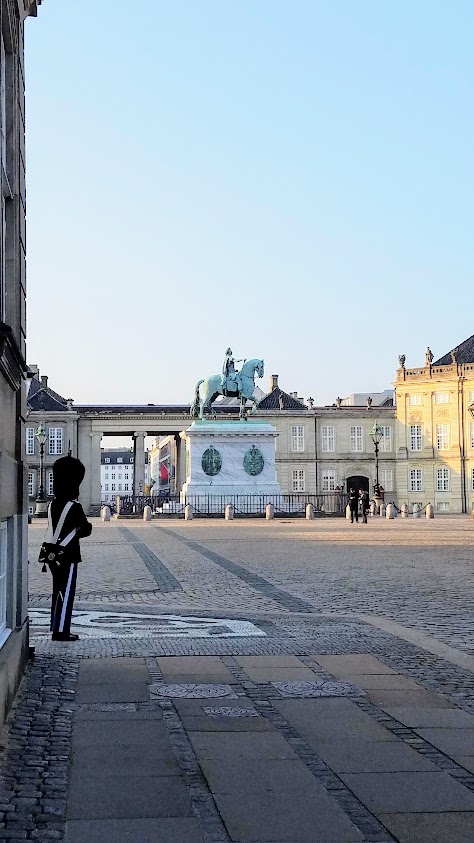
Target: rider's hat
229,351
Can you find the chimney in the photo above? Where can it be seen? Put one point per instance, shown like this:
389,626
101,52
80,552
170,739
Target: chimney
34,369
273,382
44,381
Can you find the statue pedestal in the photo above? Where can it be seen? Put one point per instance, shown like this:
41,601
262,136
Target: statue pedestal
231,458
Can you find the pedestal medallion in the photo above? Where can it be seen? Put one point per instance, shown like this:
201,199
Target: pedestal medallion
211,461
254,461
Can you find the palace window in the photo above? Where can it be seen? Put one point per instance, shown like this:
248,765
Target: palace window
131,459
327,437
329,480
106,459
357,443
386,441
126,487
442,437
471,395
31,483
120,487
415,437
55,440
113,476
49,483
119,459
297,437
416,480
106,487
472,484
441,397
125,476
414,400
442,479
106,476
113,487
30,441
298,480
386,479
443,506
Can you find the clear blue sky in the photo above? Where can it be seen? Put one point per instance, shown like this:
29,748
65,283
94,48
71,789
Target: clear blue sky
294,179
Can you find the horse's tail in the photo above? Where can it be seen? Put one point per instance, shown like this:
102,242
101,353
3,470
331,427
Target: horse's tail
195,405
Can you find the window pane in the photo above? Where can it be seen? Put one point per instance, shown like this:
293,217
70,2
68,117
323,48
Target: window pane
327,438
329,480
442,479
442,437
415,480
415,437
414,399
356,438
297,437
386,441
30,440
386,479
49,483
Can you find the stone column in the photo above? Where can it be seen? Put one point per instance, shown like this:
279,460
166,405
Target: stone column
139,463
84,449
180,469
95,473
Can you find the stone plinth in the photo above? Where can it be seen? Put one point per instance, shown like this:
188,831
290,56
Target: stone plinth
230,458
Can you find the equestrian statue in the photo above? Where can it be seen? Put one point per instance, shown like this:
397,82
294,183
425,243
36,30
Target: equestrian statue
231,383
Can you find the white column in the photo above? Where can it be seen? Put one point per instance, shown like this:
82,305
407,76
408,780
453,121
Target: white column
139,463
84,453
180,468
95,472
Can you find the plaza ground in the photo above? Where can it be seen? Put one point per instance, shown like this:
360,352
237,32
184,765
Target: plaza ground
252,681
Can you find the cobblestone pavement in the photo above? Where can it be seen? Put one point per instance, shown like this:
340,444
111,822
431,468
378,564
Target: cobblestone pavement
282,682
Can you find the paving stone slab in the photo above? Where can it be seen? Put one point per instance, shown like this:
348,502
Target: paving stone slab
225,724
334,720
209,679
90,714
162,830
127,670
451,741
95,796
280,674
466,761
286,817
126,759
258,775
269,661
431,828
352,664
120,732
437,718
383,681
410,792
230,745
421,699
119,691
172,665
360,756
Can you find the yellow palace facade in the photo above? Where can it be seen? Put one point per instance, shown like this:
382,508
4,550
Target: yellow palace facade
434,430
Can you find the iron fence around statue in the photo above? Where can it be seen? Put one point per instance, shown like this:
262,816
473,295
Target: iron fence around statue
293,505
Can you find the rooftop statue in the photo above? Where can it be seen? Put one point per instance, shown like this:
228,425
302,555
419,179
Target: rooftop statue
231,383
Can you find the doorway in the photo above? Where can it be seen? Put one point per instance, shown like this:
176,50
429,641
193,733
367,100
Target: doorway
358,482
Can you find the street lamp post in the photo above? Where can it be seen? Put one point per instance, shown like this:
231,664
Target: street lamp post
41,504
377,436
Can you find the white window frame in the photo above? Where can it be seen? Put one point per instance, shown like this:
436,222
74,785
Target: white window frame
106,487
3,575
357,438
106,459
386,440
31,483
386,479
49,483
416,437
416,479
55,441
414,400
297,438
119,459
298,480
443,506
328,438
442,479
113,487
472,477
30,441
329,480
441,397
442,436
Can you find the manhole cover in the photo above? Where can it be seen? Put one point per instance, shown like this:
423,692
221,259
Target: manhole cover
230,712
317,689
191,691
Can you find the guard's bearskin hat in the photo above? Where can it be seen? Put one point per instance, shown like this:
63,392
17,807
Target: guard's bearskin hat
68,474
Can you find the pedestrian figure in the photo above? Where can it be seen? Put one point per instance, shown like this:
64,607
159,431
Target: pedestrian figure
354,505
67,523
364,504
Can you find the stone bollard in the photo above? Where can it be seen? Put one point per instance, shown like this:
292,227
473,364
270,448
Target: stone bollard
229,512
269,511
373,508
105,513
309,511
382,510
147,513
188,512
416,510
430,511
405,511
390,511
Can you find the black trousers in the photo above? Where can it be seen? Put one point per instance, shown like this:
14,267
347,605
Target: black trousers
354,511
64,590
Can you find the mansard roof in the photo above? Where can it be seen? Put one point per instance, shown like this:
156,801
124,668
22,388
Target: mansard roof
272,401
43,398
464,353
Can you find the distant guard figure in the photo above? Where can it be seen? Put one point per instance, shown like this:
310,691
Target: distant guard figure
66,513
354,505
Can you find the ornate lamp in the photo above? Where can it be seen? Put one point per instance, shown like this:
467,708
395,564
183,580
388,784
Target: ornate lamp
41,504
377,436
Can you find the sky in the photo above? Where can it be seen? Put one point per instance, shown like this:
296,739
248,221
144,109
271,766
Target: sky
294,180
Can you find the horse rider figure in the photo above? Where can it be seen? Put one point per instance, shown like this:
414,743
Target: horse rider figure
230,376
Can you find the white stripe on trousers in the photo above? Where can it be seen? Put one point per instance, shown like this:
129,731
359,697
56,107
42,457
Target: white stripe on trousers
66,598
